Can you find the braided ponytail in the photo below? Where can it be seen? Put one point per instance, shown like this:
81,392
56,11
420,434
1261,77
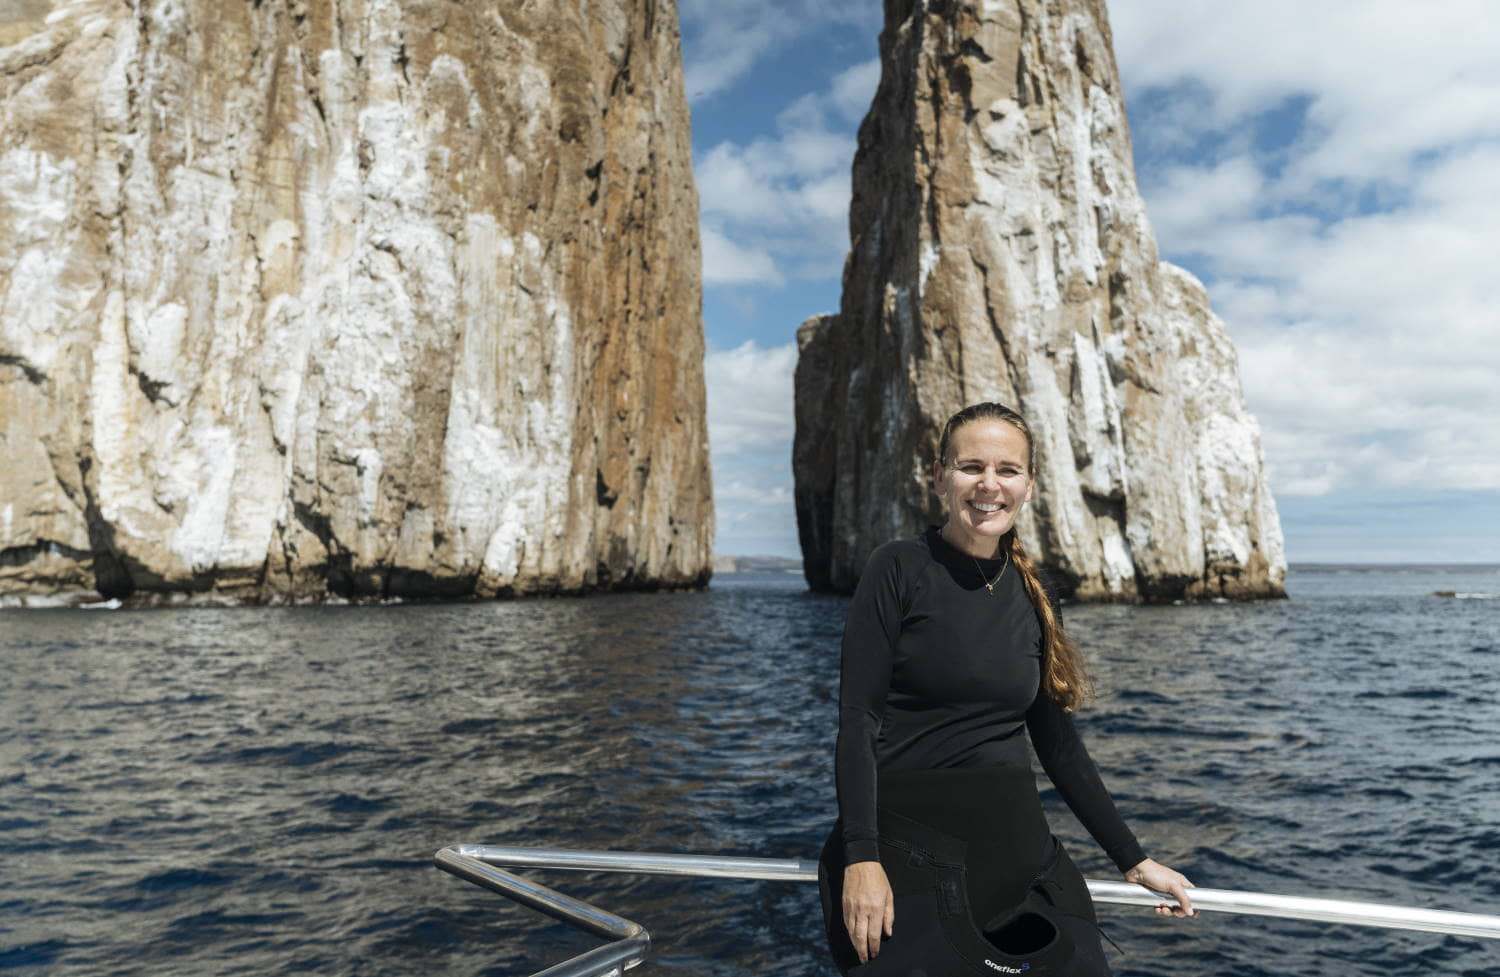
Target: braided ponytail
1064,676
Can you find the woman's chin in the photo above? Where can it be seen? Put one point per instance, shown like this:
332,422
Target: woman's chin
992,527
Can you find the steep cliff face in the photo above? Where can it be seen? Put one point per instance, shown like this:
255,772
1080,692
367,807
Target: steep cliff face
1001,251
362,297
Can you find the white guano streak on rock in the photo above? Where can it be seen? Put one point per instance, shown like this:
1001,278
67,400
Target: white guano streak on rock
1095,424
931,254
199,474
110,400
507,483
34,194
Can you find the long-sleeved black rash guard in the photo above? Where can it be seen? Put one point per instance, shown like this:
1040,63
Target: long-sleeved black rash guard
937,672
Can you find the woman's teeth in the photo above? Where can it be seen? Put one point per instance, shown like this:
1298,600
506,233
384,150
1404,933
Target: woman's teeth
985,507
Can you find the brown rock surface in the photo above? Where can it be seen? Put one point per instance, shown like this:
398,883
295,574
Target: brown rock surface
1001,251
363,297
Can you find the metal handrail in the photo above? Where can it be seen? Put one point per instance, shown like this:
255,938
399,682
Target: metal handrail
476,863
629,940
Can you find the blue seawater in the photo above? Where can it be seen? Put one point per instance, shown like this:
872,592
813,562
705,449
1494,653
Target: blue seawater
257,791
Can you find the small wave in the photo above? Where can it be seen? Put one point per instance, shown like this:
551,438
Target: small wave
1465,595
176,879
31,954
1422,693
19,824
433,931
215,924
350,804
1480,761
463,727
290,755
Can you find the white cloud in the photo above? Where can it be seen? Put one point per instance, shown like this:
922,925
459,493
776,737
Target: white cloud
726,263
750,398
1190,201
750,427
722,42
1333,172
854,88
1385,71
753,496
787,195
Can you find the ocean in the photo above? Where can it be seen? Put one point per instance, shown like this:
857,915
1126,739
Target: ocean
260,790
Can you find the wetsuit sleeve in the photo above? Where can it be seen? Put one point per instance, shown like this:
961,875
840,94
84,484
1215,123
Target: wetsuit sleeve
868,655
1067,762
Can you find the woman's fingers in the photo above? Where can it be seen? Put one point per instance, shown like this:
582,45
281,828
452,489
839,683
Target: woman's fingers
866,924
864,933
859,934
1182,898
1177,886
869,908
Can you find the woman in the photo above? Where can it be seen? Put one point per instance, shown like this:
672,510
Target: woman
942,861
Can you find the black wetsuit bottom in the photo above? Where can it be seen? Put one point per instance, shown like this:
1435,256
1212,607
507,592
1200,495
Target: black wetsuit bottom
981,886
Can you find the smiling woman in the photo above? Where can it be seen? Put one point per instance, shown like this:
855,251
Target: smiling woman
941,851
984,476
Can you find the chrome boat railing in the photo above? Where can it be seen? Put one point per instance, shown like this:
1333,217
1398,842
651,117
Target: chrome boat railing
630,942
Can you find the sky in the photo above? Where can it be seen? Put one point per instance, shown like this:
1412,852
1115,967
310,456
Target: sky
1331,171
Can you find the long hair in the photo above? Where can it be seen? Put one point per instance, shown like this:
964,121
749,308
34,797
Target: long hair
1064,676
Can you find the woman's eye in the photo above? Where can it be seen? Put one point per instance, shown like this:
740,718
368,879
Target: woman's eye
972,470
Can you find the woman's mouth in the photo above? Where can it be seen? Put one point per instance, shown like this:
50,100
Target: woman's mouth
987,508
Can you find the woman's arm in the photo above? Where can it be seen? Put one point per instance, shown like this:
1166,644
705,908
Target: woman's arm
1068,764
870,632
1072,771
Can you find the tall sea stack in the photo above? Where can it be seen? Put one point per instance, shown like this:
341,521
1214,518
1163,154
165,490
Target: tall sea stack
363,297
1001,251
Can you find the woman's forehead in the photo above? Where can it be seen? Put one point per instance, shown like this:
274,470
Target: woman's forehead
990,439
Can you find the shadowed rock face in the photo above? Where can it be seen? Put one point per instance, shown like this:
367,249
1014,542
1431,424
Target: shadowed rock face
1001,252
359,297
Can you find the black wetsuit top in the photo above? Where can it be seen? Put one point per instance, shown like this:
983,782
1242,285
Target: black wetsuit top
939,673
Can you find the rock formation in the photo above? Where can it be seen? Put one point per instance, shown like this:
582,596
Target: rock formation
363,297
1001,251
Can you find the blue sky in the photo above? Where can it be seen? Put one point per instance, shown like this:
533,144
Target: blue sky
1331,171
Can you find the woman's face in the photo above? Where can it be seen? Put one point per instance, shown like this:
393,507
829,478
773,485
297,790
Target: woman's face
985,482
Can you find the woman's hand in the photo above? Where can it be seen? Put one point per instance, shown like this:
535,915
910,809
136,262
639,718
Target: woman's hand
869,907
1158,878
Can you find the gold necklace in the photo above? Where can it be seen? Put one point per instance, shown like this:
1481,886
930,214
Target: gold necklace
989,585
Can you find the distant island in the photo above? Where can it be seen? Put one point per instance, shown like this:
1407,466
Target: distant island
751,564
